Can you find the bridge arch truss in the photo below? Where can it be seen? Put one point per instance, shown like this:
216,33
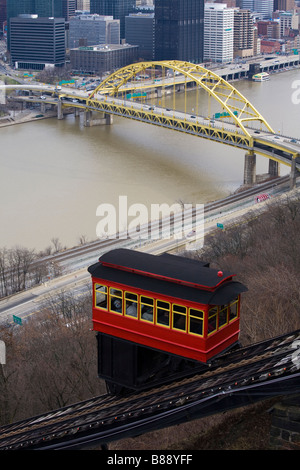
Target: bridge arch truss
135,82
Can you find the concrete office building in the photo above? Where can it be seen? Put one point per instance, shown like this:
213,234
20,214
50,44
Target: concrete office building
99,59
179,30
287,21
87,30
140,30
218,32
37,42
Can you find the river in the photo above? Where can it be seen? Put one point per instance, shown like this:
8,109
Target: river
54,174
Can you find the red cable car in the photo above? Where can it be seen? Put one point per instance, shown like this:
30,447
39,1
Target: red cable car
152,310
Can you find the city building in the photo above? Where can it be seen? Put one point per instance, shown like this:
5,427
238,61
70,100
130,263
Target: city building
179,26
37,42
243,33
2,15
284,5
68,9
246,4
88,30
218,32
99,59
268,29
287,21
42,8
83,5
140,30
264,8
119,9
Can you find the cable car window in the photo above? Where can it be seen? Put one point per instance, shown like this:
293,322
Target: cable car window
196,322
101,296
131,304
233,309
116,301
179,317
212,320
223,311
147,308
162,313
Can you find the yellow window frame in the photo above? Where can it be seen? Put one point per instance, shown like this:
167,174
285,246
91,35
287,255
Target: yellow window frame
115,297
191,316
96,289
134,302
236,303
181,315
220,310
143,315
164,309
215,317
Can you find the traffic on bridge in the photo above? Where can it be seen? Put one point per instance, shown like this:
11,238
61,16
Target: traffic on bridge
220,112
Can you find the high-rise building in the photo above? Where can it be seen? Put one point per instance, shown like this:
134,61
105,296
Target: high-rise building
89,30
265,8
37,42
140,30
285,5
116,8
246,4
243,33
287,21
2,14
83,5
218,32
68,9
179,28
42,8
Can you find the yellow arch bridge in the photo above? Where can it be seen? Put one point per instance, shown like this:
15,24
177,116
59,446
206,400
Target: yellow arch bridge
149,92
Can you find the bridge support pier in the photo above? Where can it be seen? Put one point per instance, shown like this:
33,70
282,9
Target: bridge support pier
107,119
273,168
250,168
60,114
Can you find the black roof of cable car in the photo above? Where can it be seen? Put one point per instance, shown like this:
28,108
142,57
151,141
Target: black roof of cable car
220,295
178,268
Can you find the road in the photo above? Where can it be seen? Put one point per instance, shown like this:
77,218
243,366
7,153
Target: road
76,261
267,143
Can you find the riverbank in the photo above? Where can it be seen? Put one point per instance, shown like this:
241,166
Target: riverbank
24,116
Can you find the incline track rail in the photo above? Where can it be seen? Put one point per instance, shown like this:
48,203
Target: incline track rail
266,369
